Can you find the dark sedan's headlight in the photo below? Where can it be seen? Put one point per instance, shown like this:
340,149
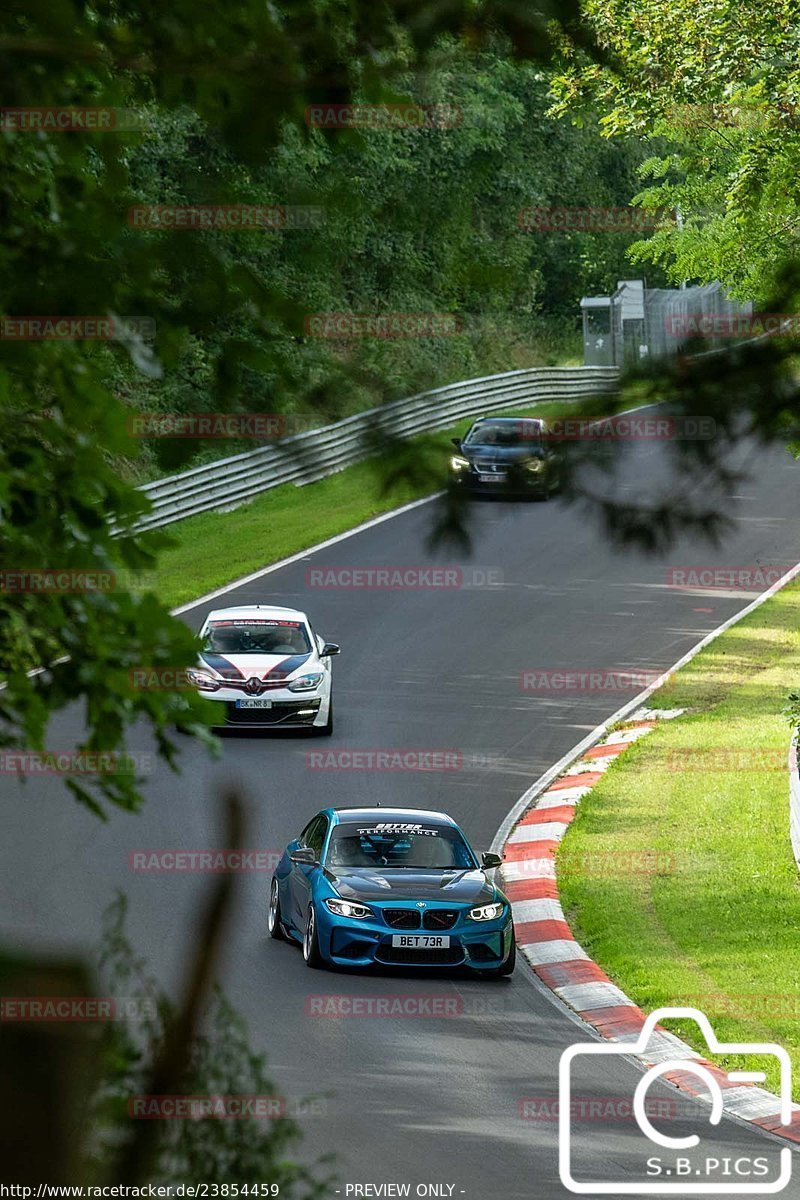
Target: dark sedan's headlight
457,463
486,912
348,908
534,465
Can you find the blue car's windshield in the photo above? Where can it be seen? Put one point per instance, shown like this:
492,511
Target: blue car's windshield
399,844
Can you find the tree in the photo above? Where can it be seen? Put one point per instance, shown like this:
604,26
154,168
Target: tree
229,92
721,108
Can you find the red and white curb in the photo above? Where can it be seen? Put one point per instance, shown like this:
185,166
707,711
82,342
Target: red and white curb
545,939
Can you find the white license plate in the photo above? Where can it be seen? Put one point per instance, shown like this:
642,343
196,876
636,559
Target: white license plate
420,941
499,478
254,704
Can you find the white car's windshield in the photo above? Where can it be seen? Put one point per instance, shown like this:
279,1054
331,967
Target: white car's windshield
398,844
257,637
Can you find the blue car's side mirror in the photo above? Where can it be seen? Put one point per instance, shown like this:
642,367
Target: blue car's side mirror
492,860
304,854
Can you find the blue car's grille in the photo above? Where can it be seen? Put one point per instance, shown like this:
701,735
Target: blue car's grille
402,918
439,918
398,955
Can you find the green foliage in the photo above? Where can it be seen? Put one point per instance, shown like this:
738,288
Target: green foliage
222,1064
409,221
415,221
717,90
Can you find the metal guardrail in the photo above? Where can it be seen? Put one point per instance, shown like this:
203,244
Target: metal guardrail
306,457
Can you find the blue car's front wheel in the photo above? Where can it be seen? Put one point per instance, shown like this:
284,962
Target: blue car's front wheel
274,923
311,953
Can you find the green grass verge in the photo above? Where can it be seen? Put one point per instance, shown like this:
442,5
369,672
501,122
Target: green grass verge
213,549
714,923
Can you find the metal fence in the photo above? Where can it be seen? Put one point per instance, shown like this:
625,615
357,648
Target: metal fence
638,323
306,457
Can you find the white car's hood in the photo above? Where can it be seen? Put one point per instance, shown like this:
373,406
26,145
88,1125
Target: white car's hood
261,666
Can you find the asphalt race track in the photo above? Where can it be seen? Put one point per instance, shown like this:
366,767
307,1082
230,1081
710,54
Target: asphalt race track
414,1099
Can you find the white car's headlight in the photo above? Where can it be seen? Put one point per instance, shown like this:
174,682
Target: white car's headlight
457,463
306,683
348,908
486,912
202,680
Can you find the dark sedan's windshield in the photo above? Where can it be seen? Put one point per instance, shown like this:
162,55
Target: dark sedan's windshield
505,433
398,844
257,637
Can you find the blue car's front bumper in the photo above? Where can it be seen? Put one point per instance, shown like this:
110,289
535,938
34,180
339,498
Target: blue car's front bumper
480,945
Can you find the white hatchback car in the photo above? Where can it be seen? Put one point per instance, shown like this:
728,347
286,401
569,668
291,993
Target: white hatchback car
267,669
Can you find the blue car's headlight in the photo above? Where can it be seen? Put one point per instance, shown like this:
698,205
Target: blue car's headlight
348,908
306,683
486,912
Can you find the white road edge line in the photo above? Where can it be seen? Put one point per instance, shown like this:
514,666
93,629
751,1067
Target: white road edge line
301,554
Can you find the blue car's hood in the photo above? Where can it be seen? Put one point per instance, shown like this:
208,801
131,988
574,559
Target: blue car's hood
395,885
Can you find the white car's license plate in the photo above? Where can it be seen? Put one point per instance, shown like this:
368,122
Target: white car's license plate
500,477
254,704
420,941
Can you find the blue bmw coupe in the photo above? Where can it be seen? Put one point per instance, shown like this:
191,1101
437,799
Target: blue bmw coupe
391,887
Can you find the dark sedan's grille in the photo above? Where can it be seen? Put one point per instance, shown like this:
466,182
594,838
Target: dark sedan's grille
439,918
398,954
489,467
402,918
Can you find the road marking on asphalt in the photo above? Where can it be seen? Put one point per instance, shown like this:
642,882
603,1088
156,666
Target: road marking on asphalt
301,554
